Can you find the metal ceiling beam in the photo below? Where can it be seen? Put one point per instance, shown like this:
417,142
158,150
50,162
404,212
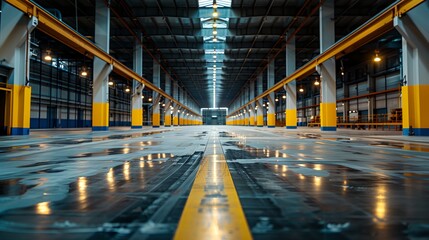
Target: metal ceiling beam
68,36
372,29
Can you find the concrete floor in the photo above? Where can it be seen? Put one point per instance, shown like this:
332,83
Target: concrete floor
292,184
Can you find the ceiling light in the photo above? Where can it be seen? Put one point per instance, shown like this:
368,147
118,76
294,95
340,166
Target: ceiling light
214,24
284,96
110,83
48,56
214,31
215,14
142,97
127,89
84,73
301,90
214,56
277,99
317,83
214,66
377,58
150,99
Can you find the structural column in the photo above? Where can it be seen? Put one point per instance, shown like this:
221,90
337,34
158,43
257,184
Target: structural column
156,121
101,69
176,108
252,105
415,54
327,71
14,55
137,103
260,111
167,111
290,88
271,112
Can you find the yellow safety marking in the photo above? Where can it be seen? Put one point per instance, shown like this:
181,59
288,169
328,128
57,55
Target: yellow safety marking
156,119
213,209
175,121
328,114
137,117
100,114
21,106
291,117
167,120
252,121
260,120
414,105
271,119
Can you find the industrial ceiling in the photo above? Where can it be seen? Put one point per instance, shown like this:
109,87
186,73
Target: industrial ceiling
213,68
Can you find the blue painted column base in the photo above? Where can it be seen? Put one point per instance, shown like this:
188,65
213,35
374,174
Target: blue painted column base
155,126
330,129
136,127
100,128
260,126
271,126
19,131
415,132
291,127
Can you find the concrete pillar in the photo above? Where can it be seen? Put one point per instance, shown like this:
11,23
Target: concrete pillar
156,118
101,69
15,56
327,71
252,121
167,111
260,109
176,107
136,101
291,114
271,112
415,54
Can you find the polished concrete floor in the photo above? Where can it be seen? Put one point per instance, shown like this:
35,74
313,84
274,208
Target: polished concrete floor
222,182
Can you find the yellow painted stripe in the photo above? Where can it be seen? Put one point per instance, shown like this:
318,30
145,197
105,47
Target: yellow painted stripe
137,117
252,121
328,115
291,117
100,114
167,120
260,120
414,106
271,119
213,209
175,121
21,106
156,119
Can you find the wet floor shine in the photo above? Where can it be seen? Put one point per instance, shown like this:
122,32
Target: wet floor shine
290,184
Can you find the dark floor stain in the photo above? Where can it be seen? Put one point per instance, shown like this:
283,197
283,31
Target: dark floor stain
43,163
12,187
49,170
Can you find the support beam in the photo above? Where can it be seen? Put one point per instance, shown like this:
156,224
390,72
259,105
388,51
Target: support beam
156,117
327,70
415,54
101,69
260,108
14,49
167,111
290,88
136,101
271,108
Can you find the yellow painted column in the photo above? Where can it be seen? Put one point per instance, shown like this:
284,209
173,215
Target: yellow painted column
328,115
415,52
167,119
100,116
137,118
21,109
291,117
271,120
415,114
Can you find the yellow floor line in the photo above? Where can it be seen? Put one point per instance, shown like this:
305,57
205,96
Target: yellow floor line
213,209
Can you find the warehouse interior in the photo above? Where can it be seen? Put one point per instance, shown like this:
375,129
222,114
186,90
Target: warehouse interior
214,119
